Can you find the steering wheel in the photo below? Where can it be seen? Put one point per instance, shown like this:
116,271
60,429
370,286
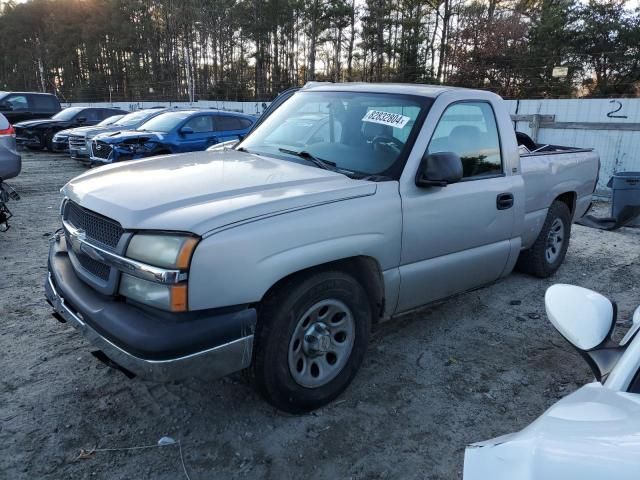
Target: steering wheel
386,140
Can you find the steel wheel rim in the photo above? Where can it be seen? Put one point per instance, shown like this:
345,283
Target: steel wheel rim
321,343
555,241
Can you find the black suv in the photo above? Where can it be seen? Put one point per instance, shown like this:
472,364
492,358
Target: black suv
20,106
38,134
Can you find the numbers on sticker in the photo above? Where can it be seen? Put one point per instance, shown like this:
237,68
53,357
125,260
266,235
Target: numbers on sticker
612,113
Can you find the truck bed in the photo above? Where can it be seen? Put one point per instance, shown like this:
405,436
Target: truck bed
551,171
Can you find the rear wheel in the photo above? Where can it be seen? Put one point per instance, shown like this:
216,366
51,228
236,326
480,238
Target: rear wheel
311,338
548,251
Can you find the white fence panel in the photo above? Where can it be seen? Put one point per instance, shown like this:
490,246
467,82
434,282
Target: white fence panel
252,108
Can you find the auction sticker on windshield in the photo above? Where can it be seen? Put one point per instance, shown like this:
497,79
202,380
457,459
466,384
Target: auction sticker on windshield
394,120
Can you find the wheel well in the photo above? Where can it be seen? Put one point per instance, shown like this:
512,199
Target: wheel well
569,199
365,269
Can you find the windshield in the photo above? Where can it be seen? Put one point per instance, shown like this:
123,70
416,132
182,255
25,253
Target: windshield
110,120
164,122
363,133
133,118
67,113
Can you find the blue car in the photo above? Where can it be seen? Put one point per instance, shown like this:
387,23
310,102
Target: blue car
171,132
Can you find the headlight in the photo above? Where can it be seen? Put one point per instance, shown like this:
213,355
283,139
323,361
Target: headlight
60,138
166,251
133,147
165,297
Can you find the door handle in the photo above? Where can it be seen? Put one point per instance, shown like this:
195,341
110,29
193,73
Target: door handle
504,201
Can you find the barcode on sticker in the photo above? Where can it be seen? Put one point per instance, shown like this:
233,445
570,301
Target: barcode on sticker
394,120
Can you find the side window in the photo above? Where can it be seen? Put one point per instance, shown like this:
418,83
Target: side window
105,113
469,130
200,124
225,123
43,103
17,102
245,123
90,114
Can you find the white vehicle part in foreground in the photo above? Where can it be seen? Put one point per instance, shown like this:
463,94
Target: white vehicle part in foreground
592,434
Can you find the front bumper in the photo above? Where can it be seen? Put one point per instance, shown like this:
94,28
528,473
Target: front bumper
60,146
149,343
77,154
28,140
117,155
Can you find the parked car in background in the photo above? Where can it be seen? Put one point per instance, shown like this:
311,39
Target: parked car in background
171,132
61,139
80,138
38,134
280,255
591,434
21,106
10,160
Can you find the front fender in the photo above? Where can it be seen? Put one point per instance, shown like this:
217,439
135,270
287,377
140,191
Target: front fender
238,265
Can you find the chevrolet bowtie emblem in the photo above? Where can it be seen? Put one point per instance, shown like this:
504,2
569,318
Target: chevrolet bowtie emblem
76,238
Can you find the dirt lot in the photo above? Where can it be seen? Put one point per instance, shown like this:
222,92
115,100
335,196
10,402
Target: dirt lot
483,364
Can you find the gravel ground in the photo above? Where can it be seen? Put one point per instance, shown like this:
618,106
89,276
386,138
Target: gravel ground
480,365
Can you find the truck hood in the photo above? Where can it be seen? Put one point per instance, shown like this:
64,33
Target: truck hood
204,191
121,136
91,131
36,123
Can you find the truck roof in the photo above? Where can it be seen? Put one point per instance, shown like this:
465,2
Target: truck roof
423,90
3,92
419,89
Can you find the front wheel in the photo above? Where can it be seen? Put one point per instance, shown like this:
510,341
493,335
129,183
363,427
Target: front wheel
548,251
311,338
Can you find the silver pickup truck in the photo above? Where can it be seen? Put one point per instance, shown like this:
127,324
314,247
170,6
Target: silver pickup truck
347,205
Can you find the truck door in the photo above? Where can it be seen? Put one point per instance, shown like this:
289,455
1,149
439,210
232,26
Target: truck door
458,237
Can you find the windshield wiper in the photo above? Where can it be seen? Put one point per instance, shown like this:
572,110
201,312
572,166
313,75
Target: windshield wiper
374,178
318,162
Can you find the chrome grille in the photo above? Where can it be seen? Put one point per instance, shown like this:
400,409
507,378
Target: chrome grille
97,228
100,149
94,267
76,142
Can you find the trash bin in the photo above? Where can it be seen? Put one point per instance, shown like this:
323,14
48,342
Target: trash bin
625,199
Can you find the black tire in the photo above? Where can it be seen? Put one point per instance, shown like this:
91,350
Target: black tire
278,318
535,260
48,142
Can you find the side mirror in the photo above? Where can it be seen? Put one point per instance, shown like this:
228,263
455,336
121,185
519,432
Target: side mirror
586,320
186,130
81,119
439,170
584,317
6,106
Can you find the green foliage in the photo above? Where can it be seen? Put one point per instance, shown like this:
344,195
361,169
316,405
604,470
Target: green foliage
94,50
